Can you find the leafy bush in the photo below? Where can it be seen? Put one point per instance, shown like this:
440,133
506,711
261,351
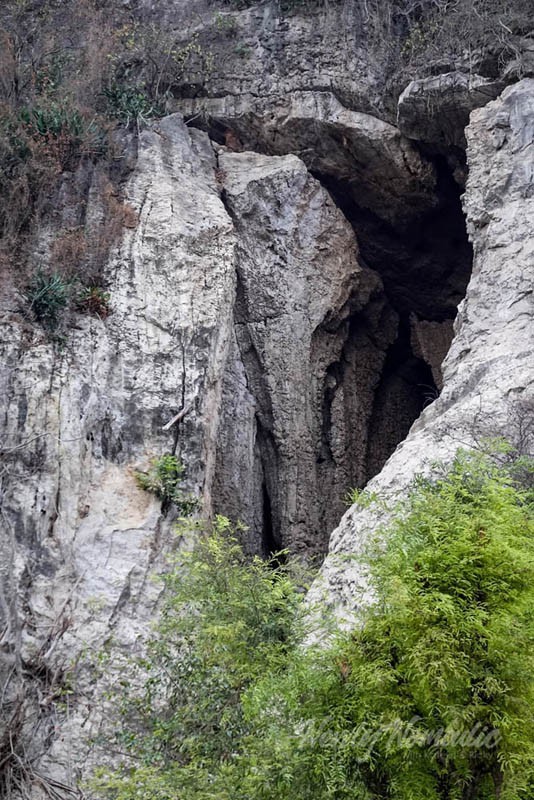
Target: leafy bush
431,699
164,479
63,133
37,144
128,103
53,121
48,296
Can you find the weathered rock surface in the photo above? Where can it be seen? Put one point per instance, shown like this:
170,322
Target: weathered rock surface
299,280
260,52
436,109
381,169
256,315
80,540
488,372
322,382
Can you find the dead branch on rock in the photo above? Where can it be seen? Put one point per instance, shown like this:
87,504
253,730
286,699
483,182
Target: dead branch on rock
179,416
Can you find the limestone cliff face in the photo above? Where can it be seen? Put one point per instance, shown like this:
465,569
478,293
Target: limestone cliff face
234,311
80,539
292,284
297,269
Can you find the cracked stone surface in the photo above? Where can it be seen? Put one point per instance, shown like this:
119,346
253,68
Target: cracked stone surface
382,170
298,280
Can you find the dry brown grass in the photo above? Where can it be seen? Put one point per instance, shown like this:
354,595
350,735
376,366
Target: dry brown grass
419,37
68,253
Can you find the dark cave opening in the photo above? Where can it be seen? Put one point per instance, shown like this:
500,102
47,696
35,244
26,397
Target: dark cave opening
425,266
406,386
270,542
374,365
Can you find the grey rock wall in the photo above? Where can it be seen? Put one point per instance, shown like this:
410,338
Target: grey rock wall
298,281
80,540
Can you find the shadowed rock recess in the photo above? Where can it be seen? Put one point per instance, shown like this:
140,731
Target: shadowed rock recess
348,281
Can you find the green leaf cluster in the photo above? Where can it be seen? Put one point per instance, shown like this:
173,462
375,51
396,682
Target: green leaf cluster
430,698
164,479
48,296
127,103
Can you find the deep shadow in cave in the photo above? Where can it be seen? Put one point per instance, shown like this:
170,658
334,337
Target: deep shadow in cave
406,386
270,543
425,268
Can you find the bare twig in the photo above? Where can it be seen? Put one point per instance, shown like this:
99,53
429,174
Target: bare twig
179,416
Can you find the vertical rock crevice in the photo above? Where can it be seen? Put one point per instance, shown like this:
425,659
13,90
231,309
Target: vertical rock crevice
340,336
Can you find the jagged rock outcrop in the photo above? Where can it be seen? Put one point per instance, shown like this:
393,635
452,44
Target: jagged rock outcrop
488,381
299,281
257,317
378,167
436,109
258,52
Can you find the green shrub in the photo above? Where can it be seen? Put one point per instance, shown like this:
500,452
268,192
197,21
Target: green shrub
128,103
66,131
48,296
431,699
53,121
164,479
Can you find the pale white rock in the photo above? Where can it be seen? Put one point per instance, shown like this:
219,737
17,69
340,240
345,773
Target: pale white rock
80,540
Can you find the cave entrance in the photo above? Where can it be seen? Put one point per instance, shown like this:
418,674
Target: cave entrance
424,267
373,364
